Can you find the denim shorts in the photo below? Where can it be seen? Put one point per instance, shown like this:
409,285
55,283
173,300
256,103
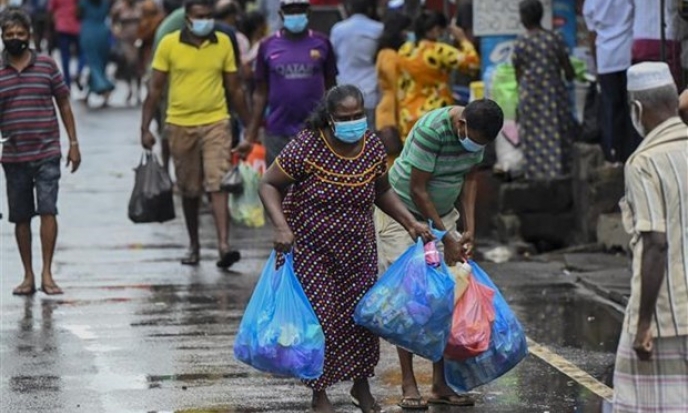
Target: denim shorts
32,188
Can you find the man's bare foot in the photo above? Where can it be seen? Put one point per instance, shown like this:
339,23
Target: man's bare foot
444,395
411,398
51,289
321,403
48,285
410,390
25,288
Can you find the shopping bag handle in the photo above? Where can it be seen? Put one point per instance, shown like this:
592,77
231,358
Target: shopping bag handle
288,257
146,156
436,232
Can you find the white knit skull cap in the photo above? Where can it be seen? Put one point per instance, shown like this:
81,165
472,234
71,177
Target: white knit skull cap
290,2
648,75
397,4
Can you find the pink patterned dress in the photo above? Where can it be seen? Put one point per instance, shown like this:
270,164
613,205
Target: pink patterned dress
330,211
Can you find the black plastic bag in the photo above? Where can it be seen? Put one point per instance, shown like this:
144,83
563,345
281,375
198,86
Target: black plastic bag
151,200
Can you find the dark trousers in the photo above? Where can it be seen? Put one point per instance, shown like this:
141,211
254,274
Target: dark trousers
66,42
619,138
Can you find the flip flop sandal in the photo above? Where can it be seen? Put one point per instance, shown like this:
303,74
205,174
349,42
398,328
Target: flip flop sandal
24,291
228,258
375,409
413,403
453,400
51,290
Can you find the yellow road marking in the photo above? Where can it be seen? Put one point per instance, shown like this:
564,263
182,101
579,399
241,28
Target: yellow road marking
571,370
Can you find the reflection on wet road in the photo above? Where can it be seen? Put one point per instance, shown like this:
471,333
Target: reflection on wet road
137,332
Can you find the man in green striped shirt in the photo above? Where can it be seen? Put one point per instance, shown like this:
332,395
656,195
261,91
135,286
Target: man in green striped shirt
434,169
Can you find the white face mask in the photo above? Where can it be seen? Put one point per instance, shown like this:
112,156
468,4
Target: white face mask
636,117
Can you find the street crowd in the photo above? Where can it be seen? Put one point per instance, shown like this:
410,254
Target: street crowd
365,148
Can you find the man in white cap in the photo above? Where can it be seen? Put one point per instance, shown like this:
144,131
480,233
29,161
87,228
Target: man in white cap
651,372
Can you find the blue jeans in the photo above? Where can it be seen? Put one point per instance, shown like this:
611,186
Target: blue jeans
66,42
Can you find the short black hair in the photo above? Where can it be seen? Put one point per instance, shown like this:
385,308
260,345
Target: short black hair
251,22
428,20
170,6
392,37
230,9
319,119
15,17
485,117
531,12
359,6
188,4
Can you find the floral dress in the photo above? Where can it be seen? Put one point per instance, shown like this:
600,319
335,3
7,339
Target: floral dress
330,211
545,118
424,70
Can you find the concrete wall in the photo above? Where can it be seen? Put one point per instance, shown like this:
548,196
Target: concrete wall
561,212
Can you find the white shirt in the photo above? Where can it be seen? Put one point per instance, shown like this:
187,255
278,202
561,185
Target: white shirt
612,20
355,42
646,24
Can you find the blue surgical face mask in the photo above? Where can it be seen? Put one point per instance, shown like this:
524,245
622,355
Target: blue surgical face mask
350,131
202,27
296,23
411,37
469,144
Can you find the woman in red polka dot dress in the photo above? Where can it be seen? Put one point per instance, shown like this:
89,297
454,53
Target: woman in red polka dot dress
333,174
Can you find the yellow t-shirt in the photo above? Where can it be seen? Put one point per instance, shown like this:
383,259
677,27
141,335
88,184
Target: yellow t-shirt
195,77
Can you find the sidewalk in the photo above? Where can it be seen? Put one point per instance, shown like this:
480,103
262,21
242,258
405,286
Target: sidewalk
606,274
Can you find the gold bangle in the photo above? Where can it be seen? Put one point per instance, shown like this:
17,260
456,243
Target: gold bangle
73,143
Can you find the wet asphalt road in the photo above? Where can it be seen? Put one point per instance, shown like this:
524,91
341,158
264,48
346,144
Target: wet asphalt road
138,332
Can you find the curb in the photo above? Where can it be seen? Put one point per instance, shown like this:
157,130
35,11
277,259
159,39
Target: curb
611,295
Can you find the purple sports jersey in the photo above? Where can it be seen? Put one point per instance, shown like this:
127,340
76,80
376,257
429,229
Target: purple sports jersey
295,71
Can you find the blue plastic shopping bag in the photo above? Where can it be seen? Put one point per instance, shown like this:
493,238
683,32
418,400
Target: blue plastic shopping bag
280,333
411,305
507,346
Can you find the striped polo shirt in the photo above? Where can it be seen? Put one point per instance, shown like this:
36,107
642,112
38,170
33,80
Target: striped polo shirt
657,201
27,109
433,146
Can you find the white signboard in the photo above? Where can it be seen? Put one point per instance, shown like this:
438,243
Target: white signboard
501,17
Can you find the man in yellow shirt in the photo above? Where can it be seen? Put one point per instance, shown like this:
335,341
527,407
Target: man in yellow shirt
199,66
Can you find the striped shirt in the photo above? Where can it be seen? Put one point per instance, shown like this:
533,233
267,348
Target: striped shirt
27,110
657,201
433,146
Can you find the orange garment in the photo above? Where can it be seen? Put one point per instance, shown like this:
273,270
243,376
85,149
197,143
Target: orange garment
424,70
387,67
